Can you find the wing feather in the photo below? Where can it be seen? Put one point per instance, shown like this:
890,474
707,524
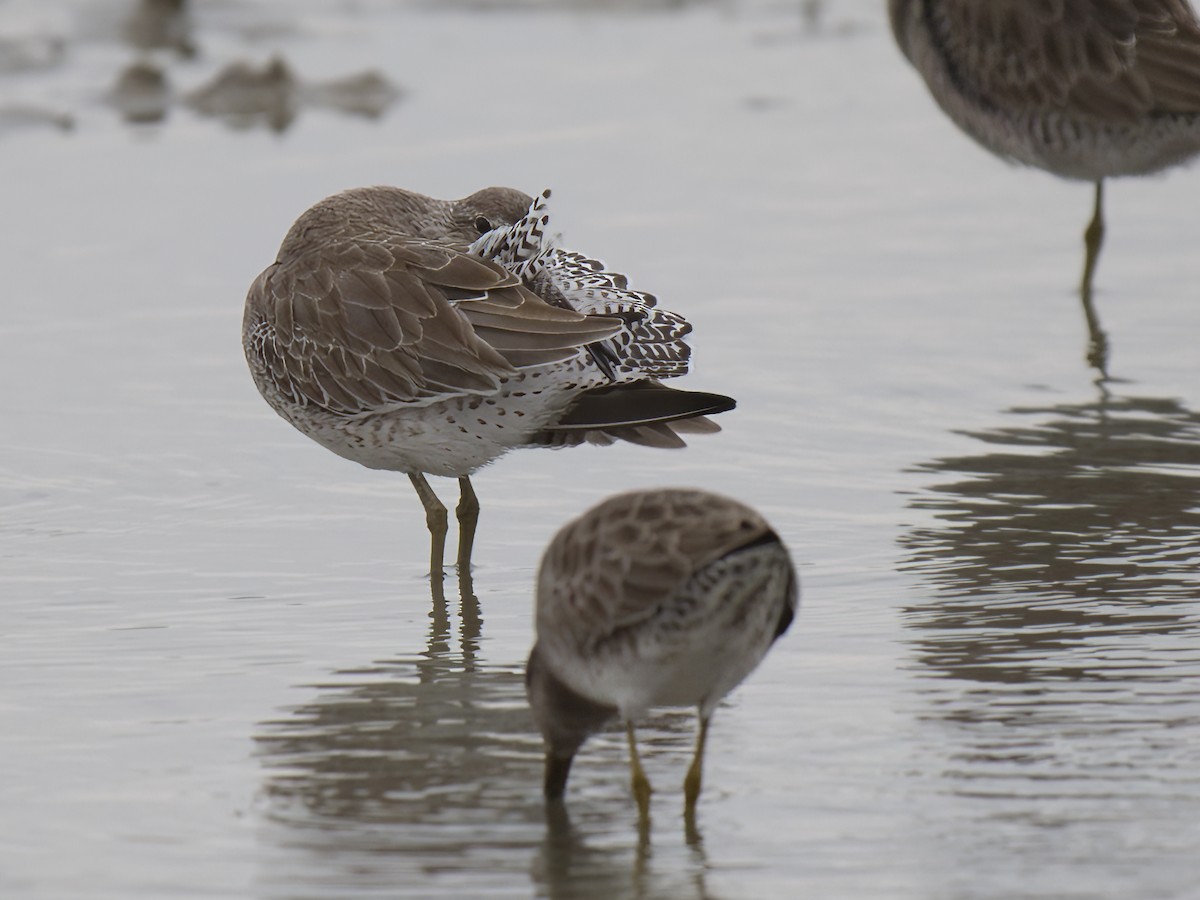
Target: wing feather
623,562
351,325
1118,60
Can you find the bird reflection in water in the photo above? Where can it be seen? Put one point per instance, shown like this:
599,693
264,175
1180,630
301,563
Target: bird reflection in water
1094,501
567,865
1065,608
406,739
424,769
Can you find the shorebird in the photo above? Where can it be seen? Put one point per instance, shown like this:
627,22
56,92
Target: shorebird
430,336
1084,89
666,597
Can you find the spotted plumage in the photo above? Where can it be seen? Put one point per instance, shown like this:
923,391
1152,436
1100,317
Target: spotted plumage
430,337
666,597
1084,89
651,343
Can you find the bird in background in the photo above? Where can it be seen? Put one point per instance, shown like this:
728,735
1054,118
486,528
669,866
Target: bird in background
1084,89
430,337
666,597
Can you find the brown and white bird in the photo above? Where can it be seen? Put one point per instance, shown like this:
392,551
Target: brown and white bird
1084,89
667,597
430,337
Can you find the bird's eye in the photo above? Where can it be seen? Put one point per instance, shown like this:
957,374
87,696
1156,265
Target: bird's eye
482,225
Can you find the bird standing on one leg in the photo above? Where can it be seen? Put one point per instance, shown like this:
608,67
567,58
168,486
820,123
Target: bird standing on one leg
430,337
665,597
1086,89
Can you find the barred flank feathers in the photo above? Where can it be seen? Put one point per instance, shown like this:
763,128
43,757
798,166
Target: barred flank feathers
652,342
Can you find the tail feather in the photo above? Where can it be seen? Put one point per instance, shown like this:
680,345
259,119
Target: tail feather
698,425
657,434
639,403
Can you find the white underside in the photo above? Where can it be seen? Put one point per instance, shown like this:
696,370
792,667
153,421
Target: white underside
696,646
452,437
1089,149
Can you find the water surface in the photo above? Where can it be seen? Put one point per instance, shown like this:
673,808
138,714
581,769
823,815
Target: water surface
222,672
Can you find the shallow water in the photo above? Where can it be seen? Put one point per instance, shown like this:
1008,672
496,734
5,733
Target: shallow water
221,669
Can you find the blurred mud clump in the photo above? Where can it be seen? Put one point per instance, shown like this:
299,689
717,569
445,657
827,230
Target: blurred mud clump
141,93
160,25
243,95
165,42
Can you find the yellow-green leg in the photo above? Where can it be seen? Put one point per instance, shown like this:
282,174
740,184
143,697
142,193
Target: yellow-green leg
640,783
691,783
1093,238
468,518
437,521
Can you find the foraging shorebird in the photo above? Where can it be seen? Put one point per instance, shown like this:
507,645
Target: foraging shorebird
430,336
1084,89
665,597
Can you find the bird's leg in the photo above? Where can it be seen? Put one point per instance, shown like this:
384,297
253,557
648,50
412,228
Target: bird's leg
472,618
436,520
1093,237
468,518
554,782
691,783
1097,353
641,784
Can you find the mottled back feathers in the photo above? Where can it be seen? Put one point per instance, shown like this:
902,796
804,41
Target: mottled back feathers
615,566
1108,60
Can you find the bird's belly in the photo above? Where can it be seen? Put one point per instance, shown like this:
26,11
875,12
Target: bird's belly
451,438
1075,147
697,670
1090,151
699,678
